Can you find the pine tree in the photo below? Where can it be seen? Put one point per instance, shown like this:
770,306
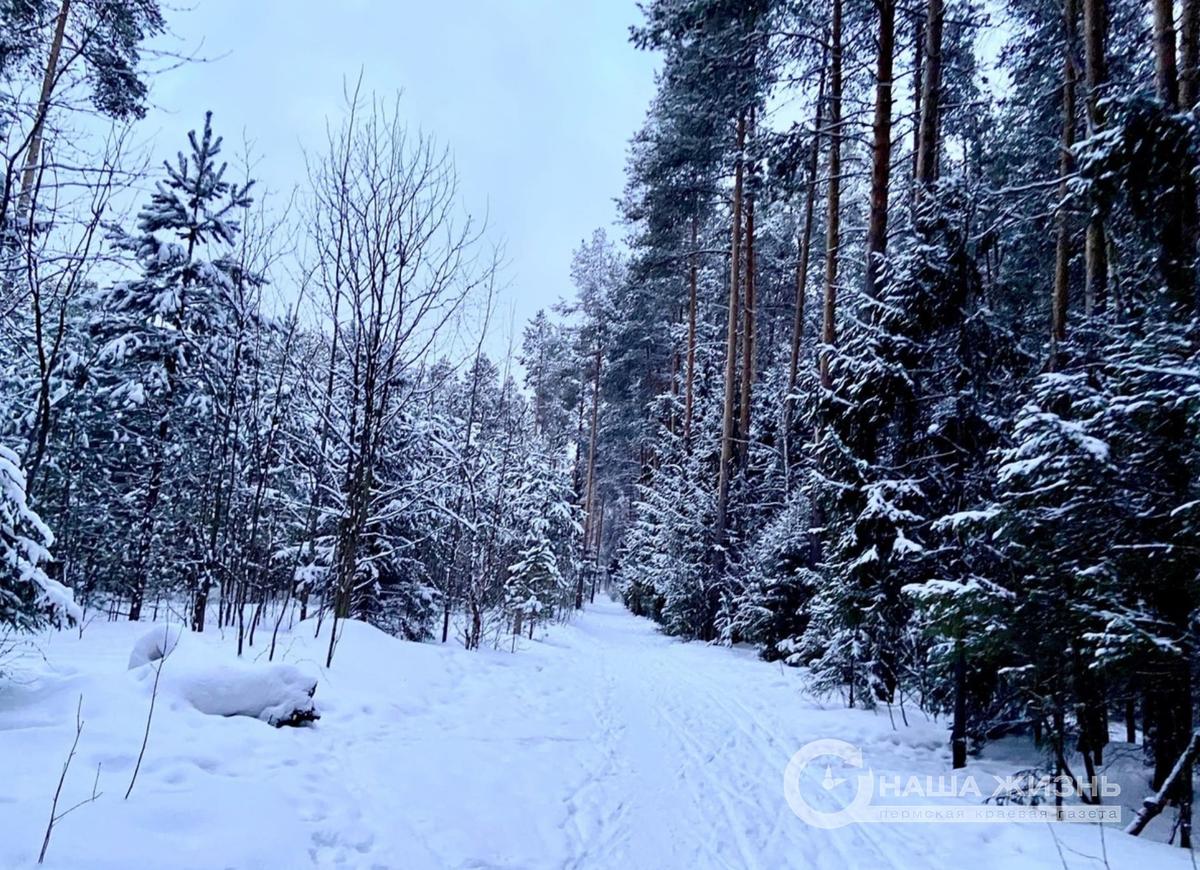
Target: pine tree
163,336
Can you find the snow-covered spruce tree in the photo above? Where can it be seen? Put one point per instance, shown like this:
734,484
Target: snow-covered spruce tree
1138,173
776,583
771,575
546,529
1153,429
665,564
901,431
550,378
391,589
29,597
1096,511
1036,575
164,338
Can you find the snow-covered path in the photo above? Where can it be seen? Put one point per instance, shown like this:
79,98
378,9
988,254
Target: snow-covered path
603,745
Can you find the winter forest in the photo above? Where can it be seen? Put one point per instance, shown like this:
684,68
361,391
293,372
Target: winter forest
875,415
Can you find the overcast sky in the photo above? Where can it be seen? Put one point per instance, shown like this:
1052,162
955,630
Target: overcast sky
536,98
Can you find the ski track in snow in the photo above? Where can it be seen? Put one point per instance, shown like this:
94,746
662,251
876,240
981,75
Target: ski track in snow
604,745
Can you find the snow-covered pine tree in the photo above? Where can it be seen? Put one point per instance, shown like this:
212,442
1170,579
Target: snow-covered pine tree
164,337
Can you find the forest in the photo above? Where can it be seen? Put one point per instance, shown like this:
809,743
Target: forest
890,371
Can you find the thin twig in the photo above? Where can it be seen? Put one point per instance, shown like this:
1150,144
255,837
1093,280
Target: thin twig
149,718
55,816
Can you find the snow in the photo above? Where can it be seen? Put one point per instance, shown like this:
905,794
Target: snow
272,693
154,644
601,744
958,519
903,546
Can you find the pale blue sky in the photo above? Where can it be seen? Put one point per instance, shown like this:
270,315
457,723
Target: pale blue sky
536,98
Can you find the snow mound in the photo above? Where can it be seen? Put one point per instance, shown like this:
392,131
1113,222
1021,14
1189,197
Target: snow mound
274,693
277,694
160,641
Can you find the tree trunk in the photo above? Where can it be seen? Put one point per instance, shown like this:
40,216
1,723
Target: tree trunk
918,85
833,218
590,500
958,734
690,377
1189,51
1178,238
1062,247
1166,83
33,155
805,241
748,303
1095,28
1189,92
731,338
881,151
931,91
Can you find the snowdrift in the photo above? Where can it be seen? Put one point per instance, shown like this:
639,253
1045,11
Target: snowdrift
273,693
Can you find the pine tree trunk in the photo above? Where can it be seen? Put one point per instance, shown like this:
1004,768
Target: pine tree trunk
33,154
931,91
731,339
1189,92
1166,82
918,86
1189,54
1062,247
1060,728
834,216
590,499
748,303
599,539
690,377
805,241
1095,28
1178,241
881,151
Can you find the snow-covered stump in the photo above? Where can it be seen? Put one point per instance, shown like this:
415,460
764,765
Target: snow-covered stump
273,693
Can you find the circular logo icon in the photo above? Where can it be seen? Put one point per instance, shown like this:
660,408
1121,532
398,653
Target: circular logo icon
804,781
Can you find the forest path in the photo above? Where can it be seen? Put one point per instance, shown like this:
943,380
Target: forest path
610,745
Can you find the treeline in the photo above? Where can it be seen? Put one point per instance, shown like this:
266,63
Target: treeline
223,412
901,381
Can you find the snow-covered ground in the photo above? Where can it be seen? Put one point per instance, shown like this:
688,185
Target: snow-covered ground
603,744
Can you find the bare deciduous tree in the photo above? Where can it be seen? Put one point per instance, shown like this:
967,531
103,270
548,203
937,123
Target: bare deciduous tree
397,262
